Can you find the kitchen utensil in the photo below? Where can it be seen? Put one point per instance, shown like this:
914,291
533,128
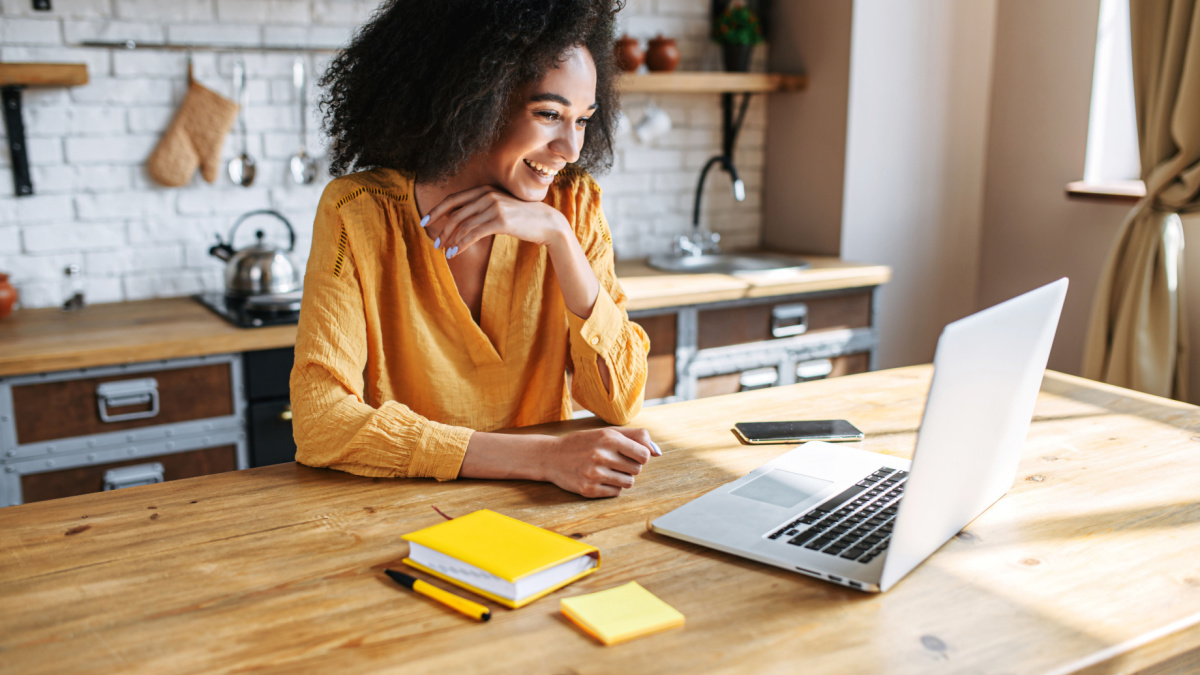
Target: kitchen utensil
258,269
304,168
241,168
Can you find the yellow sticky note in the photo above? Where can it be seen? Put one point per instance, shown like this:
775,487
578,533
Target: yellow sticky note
621,613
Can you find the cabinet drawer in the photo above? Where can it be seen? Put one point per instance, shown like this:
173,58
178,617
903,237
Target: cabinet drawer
46,411
718,385
36,487
660,375
768,321
271,440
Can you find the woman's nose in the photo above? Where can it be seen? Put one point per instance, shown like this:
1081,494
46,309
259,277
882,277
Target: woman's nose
568,144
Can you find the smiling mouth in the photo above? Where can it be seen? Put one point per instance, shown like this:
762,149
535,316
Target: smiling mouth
541,169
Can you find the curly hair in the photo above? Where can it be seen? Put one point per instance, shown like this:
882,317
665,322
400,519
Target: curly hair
423,86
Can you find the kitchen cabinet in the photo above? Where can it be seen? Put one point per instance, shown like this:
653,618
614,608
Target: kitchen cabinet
221,392
65,433
269,412
728,346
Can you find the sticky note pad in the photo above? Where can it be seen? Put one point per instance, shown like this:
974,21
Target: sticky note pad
621,613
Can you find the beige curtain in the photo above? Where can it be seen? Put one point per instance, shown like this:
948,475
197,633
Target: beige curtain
1138,332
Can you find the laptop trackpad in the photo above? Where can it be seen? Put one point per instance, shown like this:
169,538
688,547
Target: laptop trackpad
781,488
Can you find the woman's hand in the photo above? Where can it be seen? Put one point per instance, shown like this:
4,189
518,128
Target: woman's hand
465,217
599,462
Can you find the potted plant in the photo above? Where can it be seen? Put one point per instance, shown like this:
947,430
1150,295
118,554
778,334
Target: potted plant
737,30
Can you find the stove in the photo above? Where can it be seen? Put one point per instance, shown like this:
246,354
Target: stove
254,311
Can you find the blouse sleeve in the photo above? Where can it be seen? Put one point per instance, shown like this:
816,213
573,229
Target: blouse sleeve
608,333
333,425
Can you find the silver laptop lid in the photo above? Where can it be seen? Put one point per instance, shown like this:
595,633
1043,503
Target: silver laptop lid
987,373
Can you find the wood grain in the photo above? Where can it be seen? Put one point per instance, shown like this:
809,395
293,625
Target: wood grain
739,325
1088,564
47,340
649,288
82,480
48,410
710,83
43,74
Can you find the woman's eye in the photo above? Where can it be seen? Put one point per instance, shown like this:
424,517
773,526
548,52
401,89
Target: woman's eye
583,121
548,115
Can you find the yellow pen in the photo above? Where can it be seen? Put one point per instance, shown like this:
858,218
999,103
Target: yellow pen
471,609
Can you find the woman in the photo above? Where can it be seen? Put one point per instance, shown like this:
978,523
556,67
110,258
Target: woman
452,286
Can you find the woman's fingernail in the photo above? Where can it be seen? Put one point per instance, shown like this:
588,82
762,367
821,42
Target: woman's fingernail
449,253
657,450
453,251
425,220
437,243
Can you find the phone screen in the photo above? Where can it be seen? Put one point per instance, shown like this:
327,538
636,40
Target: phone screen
798,430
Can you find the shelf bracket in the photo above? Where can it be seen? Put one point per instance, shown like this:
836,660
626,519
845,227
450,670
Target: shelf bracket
14,126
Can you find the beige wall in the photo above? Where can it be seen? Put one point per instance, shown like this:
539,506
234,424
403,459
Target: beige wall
916,151
1032,234
806,137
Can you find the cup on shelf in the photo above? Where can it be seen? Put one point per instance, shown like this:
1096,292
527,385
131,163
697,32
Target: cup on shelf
654,123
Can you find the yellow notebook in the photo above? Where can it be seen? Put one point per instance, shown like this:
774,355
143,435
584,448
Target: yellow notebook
621,613
500,558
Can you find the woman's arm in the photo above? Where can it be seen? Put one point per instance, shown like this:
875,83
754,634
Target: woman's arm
608,351
593,463
333,425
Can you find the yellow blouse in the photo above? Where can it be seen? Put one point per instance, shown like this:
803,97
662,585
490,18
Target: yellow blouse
392,375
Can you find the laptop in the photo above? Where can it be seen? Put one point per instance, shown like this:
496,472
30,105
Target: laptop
865,520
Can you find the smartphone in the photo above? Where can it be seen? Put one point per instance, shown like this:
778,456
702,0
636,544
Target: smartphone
798,431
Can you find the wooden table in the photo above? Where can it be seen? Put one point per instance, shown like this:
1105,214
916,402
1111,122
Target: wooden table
1090,564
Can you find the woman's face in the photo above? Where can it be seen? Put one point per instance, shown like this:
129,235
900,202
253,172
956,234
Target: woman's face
545,131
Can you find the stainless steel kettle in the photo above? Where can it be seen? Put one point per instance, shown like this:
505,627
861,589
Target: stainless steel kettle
258,269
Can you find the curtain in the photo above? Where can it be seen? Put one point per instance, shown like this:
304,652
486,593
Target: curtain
1137,337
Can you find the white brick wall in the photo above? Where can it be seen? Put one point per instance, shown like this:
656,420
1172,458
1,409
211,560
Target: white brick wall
94,205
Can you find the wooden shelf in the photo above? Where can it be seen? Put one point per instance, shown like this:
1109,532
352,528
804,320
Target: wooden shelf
1130,191
43,74
710,83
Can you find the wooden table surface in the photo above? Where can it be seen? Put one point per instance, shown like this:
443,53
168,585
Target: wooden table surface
1089,564
47,340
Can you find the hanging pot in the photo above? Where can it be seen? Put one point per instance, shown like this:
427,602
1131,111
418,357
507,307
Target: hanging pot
258,269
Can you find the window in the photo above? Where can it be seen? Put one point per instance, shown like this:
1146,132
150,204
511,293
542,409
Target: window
1112,146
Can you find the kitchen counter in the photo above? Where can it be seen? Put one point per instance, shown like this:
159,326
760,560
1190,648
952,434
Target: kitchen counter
47,340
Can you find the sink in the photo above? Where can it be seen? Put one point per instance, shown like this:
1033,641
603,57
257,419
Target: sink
729,263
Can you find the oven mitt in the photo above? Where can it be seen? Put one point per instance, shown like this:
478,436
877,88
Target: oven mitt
194,138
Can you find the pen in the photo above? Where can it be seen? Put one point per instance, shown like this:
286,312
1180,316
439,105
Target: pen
471,609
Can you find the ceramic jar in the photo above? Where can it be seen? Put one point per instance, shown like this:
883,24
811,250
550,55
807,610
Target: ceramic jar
8,296
628,53
663,55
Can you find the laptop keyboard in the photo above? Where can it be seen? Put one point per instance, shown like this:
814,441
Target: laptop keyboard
856,524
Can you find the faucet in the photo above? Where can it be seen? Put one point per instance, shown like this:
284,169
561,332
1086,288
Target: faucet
702,241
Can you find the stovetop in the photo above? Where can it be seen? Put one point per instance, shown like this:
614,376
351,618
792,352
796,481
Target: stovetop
236,311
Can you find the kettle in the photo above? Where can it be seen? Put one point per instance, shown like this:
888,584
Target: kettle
258,269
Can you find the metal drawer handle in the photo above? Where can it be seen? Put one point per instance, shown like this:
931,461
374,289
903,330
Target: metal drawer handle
814,370
126,393
131,476
759,378
789,320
